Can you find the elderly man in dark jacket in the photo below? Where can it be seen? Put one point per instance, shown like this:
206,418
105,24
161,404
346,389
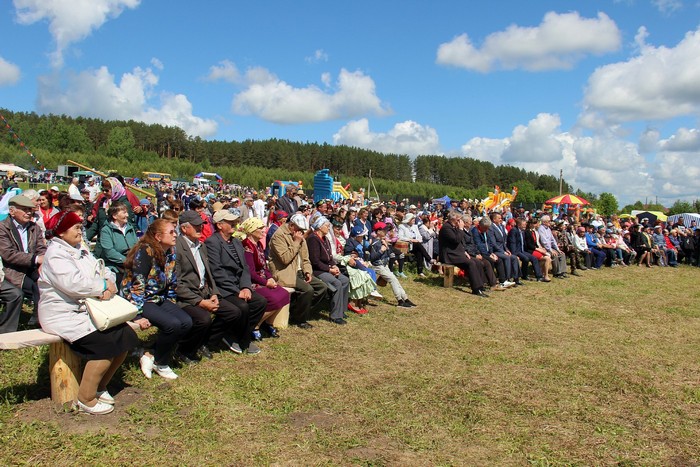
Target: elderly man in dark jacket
22,248
232,277
197,294
451,241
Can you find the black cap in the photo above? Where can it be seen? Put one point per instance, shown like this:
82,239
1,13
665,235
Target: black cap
191,217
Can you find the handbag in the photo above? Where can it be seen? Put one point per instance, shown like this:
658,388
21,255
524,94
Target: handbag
106,314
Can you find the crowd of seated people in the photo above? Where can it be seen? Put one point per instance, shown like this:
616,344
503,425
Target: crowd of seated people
212,274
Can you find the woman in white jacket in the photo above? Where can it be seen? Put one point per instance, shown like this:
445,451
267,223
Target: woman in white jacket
69,275
408,232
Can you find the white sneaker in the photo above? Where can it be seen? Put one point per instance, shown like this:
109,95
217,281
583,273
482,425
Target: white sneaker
100,408
376,295
147,364
165,371
508,284
105,396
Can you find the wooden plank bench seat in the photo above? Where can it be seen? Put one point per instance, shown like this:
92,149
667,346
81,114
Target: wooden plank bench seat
64,366
448,274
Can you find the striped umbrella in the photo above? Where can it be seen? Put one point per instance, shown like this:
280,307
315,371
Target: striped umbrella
567,199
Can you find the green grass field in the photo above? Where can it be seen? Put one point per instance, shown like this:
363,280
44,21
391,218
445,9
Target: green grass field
596,370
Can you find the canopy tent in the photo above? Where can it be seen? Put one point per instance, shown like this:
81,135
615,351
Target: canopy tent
444,200
687,217
12,168
208,174
651,216
567,199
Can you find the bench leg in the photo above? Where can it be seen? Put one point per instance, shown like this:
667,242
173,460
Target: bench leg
65,371
282,318
448,275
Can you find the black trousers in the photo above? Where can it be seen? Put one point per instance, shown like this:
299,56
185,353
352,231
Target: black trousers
420,254
244,316
207,330
30,288
475,272
306,297
527,259
499,266
12,298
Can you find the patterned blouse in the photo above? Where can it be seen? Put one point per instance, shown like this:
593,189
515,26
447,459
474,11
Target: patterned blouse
147,281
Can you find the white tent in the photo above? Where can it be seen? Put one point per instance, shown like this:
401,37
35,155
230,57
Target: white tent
12,168
687,217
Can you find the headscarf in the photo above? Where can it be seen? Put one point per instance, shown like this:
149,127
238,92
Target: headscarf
319,222
251,224
118,189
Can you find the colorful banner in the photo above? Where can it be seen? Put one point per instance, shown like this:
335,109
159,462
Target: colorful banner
21,143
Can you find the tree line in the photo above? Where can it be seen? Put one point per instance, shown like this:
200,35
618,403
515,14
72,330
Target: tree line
132,147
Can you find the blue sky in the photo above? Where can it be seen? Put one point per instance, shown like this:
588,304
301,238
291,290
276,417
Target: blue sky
607,91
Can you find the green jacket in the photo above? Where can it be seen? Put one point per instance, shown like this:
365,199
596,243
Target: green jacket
114,245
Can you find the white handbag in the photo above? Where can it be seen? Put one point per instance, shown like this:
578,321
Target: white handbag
109,313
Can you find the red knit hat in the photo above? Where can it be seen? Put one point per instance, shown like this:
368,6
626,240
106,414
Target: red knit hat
62,221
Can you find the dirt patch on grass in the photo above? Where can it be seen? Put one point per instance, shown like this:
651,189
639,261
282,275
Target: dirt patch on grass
71,421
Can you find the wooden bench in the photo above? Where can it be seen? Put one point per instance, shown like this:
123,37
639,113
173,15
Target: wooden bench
65,368
282,318
448,274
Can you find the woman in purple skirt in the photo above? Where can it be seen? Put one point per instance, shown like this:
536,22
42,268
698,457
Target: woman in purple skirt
277,297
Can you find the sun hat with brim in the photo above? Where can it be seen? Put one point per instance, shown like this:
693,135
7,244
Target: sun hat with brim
22,201
408,218
224,216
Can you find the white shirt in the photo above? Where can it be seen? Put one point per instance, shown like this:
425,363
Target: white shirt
194,248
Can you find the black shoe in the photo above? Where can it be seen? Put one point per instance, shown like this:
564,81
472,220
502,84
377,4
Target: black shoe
480,293
271,330
403,304
409,303
574,273
339,321
530,279
305,325
204,352
186,359
519,283
583,268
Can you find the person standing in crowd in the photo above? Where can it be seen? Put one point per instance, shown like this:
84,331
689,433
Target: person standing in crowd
287,203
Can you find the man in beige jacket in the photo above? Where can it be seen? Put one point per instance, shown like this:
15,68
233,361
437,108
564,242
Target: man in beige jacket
289,263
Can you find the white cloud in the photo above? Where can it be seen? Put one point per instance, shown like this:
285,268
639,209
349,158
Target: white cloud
649,141
535,142
593,163
659,83
319,55
557,43
157,64
685,140
407,137
224,71
667,7
276,101
9,73
70,20
96,93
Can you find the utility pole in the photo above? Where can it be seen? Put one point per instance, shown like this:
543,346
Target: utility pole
561,180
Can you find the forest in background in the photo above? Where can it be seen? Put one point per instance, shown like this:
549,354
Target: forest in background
131,147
